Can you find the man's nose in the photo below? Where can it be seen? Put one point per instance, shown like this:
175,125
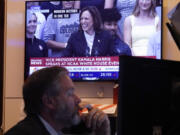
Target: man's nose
77,99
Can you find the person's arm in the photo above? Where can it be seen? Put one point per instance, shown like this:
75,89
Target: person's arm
127,31
109,4
68,51
50,33
56,45
98,121
45,49
151,43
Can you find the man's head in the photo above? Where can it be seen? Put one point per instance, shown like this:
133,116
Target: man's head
49,93
110,19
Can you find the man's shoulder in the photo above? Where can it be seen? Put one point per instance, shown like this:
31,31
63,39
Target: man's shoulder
121,42
122,47
20,128
27,126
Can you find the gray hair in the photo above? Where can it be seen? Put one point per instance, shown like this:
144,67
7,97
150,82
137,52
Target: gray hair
42,82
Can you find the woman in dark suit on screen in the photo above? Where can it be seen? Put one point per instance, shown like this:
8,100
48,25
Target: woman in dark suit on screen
90,39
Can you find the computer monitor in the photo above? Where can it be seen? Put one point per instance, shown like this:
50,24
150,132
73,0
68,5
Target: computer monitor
145,95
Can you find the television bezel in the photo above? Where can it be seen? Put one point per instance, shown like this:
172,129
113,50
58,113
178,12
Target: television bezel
101,80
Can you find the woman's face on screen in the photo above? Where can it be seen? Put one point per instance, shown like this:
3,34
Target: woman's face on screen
32,24
111,26
86,21
145,4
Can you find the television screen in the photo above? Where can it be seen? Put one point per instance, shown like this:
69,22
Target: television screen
86,36
147,99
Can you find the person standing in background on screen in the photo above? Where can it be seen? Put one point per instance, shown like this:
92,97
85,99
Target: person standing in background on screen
140,26
99,4
154,45
158,7
50,6
34,47
125,8
33,7
90,39
110,18
50,104
57,31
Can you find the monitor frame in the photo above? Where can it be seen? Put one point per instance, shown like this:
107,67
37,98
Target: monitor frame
145,84
84,80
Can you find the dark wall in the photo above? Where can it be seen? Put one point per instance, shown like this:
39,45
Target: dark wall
2,4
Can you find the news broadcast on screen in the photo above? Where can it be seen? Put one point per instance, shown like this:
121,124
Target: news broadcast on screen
88,36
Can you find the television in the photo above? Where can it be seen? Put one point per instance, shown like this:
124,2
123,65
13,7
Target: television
53,30
145,96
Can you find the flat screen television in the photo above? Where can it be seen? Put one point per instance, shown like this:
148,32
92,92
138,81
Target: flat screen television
146,96
55,25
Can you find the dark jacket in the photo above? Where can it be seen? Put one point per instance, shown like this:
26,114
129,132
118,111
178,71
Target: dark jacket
29,126
77,45
120,48
34,48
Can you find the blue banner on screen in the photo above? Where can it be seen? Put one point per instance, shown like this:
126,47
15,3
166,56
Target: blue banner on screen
81,68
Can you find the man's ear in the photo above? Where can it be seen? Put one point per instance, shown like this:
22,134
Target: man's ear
49,102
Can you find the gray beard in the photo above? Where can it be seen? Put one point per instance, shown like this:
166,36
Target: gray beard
62,117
